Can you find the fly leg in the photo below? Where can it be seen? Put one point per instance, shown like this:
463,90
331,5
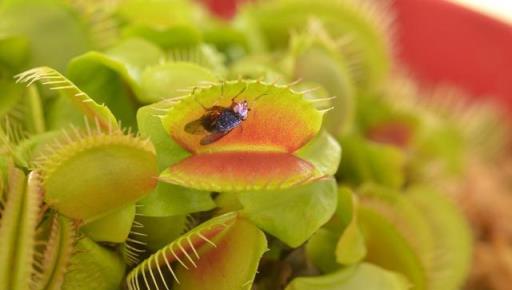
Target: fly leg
233,99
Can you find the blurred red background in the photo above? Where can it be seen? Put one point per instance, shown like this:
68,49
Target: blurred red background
443,43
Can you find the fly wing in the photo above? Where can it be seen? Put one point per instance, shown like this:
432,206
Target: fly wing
195,127
208,139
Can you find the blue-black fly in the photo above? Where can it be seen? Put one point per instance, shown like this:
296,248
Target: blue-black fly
218,121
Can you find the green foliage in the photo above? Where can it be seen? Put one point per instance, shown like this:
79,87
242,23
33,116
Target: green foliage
314,204
452,236
58,236
114,227
109,171
54,34
93,266
363,276
107,183
320,249
367,161
342,18
164,80
389,249
17,229
323,152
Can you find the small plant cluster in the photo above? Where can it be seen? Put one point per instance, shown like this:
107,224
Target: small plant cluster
150,145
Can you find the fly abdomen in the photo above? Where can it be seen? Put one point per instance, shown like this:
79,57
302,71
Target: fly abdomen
227,121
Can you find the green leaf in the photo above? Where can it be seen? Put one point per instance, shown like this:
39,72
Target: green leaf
315,59
168,199
34,116
321,248
164,80
453,238
260,66
227,39
94,267
387,248
11,95
14,52
351,247
98,76
312,204
55,81
135,54
29,150
21,107
367,161
150,125
345,211
157,231
18,229
363,276
182,36
161,13
227,202
113,78
323,152
410,222
54,32
114,227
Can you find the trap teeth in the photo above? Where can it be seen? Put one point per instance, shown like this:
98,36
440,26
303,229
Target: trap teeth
242,135
94,173
279,118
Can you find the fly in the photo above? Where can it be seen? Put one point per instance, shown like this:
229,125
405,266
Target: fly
218,121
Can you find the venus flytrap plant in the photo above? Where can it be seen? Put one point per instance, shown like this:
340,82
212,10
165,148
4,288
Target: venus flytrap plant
55,246
330,71
56,81
185,203
363,22
102,27
114,228
74,152
452,235
157,232
21,199
364,275
399,257
163,81
411,226
15,109
81,155
322,246
275,109
45,39
274,149
209,253
94,266
168,199
350,247
113,77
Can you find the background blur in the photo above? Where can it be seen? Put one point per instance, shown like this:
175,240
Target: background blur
442,42
466,43
501,9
